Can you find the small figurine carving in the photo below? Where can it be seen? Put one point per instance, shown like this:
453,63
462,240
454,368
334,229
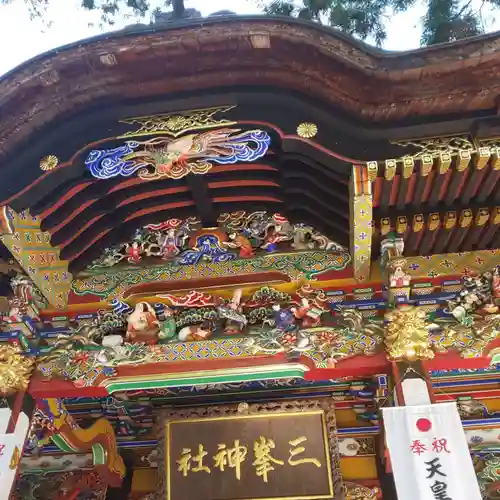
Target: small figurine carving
169,243
476,296
17,309
186,241
307,238
277,231
391,247
143,325
168,326
26,291
284,319
272,238
302,239
496,285
471,408
172,241
233,313
324,243
286,324
241,242
206,246
398,277
308,314
195,333
133,252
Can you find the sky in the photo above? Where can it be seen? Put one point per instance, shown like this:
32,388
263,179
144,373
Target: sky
22,38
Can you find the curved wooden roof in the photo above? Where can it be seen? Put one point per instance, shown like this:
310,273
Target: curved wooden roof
277,72
150,62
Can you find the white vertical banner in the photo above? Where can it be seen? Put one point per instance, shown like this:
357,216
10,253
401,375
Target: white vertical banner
11,448
429,454
5,414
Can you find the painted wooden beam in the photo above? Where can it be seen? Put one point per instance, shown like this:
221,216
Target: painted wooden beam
31,247
361,220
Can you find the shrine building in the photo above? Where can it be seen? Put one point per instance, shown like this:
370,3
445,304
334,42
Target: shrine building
250,258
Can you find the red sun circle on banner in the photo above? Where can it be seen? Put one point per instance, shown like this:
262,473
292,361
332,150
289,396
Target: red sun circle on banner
424,424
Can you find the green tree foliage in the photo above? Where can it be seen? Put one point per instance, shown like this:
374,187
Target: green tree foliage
444,20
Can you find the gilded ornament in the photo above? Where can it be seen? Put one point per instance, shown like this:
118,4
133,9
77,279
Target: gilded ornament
406,335
15,370
385,226
495,162
471,341
372,167
464,158
450,220
176,124
496,215
15,459
434,221
307,130
437,145
465,219
441,149
408,165
401,224
355,491
49,163
483,155
444,162
426,164
418,223
390,169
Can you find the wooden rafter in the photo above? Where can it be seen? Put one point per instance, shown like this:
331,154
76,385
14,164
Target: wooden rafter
446,171
444,232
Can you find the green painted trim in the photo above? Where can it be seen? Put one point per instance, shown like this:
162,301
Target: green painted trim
469,375
98,454
204,379
495,359
62,444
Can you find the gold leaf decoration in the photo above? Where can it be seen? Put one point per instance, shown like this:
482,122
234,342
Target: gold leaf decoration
49,162
176,124
360,492
15,370
307,130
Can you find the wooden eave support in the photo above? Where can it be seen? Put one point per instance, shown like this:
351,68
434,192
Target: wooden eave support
404,182
430,234
454,172
441,176
445,232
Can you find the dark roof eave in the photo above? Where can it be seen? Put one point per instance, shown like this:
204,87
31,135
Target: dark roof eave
141,29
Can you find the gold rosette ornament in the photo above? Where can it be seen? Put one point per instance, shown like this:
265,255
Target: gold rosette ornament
307,130
49,163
